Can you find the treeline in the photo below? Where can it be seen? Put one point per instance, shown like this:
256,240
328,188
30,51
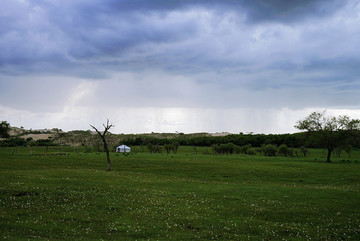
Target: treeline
266,150
295,140
233,142
17,141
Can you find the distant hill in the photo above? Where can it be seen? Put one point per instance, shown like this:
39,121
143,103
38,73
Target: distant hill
79,137
38,134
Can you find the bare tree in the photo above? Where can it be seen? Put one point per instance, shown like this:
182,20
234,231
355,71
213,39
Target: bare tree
103,135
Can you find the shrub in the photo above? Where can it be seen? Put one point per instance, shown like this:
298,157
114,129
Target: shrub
245,148
269,150
258,150
12,142
291,152
215,149
229,148
167,148
304,150
174,147
237,149
283,150
348,148
251,151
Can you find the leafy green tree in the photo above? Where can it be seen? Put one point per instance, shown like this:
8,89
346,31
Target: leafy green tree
175,146
329,132
215,148
269,150
283,150
157,149
150,147
292,152
348,148
167,148
304,150
337,151
244,148
4,129
250,151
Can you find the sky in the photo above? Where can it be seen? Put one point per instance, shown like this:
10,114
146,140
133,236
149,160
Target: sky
178,66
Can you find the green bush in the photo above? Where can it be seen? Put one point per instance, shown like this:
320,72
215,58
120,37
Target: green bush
251,151
245,148
283,150
269,150
303,150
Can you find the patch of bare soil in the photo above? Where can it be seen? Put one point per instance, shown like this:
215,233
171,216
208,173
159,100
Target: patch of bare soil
220,134
38,136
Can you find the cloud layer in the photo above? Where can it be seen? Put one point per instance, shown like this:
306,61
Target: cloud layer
230,56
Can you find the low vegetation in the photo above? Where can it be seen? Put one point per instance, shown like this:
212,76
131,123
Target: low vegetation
62,193
182,187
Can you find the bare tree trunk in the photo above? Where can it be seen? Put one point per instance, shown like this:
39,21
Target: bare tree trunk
109,162
102,135
329,155
195,150
107,155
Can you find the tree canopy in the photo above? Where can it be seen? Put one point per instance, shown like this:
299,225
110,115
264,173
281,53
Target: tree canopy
4,129
329,131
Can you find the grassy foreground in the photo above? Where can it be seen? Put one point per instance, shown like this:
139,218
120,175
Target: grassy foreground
177,197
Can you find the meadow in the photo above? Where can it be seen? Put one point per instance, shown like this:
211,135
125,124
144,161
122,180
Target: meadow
183,196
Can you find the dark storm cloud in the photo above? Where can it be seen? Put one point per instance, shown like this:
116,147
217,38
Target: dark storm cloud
63,32
289,11
37,33
255,10
223,48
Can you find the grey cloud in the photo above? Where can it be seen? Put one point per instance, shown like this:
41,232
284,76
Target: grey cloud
77,32
256,10
290,11
68,34
209,45
74,59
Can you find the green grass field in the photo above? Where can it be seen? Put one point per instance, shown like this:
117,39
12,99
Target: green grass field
177,196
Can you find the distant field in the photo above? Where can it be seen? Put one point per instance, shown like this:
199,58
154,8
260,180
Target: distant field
185,196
